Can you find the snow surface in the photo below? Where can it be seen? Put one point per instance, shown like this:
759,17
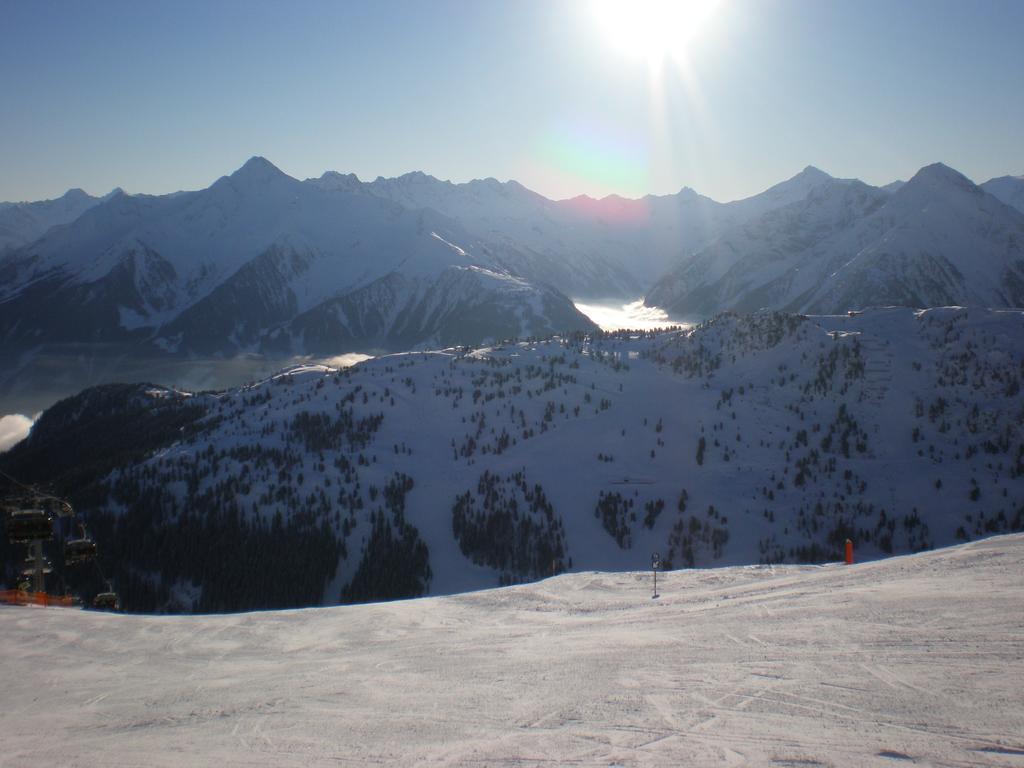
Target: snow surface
911,660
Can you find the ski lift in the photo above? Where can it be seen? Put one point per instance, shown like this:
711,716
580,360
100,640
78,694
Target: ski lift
106,601
78,551
28,525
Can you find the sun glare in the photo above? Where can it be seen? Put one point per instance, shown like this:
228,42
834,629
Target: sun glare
656,29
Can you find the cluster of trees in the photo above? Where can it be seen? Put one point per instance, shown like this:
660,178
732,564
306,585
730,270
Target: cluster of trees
396,562
235,562
725,337
510,526
616,514
692,537
840,357
319,432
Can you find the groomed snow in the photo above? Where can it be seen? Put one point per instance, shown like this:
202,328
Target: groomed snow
912,659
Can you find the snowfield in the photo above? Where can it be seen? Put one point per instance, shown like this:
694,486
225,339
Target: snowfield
915,659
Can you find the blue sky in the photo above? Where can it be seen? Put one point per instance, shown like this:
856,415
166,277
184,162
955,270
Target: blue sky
157,97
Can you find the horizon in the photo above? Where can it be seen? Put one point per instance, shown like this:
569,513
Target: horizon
549,94
368,180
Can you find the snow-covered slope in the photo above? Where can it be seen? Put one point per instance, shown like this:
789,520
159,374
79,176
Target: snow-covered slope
220,270
911,660
782,194
770,259
578,251
936,240
22,223
763,438
1009,189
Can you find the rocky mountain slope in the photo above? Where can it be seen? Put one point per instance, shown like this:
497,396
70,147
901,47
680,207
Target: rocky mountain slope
751,438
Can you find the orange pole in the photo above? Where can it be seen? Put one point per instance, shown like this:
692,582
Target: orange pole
849,552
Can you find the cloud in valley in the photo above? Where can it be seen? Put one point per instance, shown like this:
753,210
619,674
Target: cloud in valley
634,316
13,429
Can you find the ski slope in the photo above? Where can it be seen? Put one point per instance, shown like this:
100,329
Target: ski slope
911,660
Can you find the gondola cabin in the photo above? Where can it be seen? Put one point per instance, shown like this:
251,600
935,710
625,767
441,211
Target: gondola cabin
77,551
106,601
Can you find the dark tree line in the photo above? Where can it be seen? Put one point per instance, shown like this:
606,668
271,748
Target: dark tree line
511,527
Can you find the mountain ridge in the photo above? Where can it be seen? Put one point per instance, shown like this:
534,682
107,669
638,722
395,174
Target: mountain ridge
935,240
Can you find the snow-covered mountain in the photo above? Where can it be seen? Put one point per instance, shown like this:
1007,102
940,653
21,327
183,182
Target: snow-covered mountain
764,262
936,240
244,264
609,247
22,223
579,251
1009,189
939,240
261,264
754,438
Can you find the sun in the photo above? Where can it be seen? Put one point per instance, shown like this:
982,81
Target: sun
655,29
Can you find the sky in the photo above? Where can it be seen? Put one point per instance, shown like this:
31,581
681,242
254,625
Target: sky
160,96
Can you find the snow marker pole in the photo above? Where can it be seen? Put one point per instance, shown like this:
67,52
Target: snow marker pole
849,552
655,563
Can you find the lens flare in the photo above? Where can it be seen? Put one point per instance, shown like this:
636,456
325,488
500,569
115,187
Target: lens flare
588,155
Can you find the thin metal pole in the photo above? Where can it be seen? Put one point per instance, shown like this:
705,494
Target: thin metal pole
39,585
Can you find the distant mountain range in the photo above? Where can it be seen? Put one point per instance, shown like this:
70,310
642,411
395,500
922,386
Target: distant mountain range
936,240
263,263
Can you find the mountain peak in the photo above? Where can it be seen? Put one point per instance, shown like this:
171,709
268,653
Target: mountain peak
333,180
802,183
257,169
940,175
1009,189
812,173
328,175
418,177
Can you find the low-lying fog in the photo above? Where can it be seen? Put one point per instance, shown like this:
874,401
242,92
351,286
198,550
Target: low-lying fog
613,316
13,428
55,375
